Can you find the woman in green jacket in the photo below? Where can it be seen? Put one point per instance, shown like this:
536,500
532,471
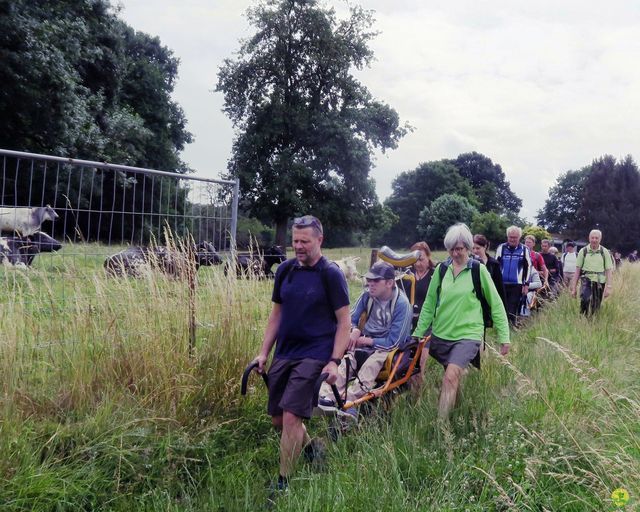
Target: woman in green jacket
454,312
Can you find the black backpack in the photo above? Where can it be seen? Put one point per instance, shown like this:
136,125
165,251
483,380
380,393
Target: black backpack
477,288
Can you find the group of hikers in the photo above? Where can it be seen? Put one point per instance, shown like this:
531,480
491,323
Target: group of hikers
315,332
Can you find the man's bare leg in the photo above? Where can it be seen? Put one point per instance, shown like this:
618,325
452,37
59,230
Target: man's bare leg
450,385
294,437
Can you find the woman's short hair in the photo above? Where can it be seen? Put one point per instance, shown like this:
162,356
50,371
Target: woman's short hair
458,233
481,240
424,247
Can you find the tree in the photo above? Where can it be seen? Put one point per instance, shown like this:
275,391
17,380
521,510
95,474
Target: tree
415,190
445,211
560,212
538,232
492,225
611,202
604,195
79,82
305,126
489,183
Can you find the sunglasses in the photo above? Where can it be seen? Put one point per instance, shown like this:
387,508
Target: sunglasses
308,221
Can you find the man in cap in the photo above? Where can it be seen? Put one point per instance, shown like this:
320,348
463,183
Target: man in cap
380,321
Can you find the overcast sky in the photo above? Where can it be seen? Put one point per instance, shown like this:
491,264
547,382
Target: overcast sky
539,87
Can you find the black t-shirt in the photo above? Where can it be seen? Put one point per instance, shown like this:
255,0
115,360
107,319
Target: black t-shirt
552,263
308,323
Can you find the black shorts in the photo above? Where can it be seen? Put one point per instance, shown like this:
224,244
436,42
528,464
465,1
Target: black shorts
460,353
291,386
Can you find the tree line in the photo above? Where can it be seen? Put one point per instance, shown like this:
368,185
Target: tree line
80,82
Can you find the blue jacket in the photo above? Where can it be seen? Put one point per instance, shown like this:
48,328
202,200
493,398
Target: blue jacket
515,263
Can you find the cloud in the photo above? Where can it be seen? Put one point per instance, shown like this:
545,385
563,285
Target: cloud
539,87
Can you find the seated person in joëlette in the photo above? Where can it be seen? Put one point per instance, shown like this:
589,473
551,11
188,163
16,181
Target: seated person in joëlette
380,322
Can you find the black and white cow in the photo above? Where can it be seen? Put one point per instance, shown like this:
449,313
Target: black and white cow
25,221
258,263
141,261
21,250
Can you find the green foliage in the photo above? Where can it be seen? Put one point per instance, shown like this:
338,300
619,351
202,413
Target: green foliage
446,210
537,231
306,126
413,191
560,211
488,182
605,195
79,82
611,203
470,175
251,231
492,225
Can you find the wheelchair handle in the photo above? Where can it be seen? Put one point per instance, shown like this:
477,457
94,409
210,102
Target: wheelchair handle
334,388
245,377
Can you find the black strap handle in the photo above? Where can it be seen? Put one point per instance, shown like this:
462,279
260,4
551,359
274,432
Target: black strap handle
334,388
245,377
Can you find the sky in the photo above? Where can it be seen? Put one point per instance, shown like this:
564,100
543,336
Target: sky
539,87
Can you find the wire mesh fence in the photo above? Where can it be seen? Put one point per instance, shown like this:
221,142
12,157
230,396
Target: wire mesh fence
62,221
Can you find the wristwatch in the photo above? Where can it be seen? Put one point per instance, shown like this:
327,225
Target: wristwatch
336,360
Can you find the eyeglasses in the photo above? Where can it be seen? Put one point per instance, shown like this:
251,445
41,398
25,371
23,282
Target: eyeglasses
307,221
457,249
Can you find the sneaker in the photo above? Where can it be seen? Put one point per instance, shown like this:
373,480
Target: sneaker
326,404
349,417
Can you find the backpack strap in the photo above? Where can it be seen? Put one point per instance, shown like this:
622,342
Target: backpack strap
367,312
324,277
477,288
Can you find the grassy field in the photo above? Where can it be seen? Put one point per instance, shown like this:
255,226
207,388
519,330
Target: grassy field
103,409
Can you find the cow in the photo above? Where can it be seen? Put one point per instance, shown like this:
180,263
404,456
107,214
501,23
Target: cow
259,263
21,250
25,221
141,261
348,267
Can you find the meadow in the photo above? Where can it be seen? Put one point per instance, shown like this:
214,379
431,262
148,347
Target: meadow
103,408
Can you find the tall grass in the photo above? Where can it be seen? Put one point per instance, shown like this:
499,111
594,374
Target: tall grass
103,409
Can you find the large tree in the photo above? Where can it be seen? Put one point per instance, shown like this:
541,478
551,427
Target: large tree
446,210
560,211
611,203
489,183
305,126
417,189
79,82
604,195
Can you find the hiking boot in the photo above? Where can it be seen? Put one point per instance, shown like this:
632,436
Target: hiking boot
275,490
315,453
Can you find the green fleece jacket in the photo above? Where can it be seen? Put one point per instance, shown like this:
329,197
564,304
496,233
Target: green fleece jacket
459,314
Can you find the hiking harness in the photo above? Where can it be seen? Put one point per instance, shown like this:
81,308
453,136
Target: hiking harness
364,354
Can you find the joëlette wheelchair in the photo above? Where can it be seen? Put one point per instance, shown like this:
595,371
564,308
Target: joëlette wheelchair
401,363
